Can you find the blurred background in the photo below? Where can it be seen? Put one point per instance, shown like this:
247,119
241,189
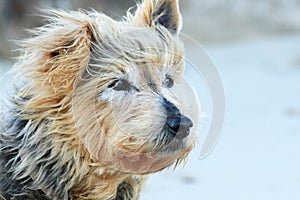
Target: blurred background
208,21
256,48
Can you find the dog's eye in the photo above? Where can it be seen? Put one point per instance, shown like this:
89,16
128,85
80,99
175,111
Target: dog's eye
113,83
120,85
169,82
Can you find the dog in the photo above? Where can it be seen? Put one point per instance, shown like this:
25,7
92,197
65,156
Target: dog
98,106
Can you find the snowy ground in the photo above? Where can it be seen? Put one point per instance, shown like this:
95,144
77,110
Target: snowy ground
258,154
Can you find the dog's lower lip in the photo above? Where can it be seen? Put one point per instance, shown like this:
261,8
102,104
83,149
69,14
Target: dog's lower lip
175,146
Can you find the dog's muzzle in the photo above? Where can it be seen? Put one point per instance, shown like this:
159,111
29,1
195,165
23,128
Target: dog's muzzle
176,123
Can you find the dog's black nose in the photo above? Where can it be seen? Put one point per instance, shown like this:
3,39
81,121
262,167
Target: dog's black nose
179,125
176,123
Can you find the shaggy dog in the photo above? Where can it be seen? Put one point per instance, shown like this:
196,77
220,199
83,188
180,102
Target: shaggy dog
98,106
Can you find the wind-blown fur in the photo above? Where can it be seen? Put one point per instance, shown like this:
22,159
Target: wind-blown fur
53,138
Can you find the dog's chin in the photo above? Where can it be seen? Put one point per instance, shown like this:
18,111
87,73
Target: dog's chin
173,153
151,161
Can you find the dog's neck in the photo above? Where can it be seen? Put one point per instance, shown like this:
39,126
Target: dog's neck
110,185
96,181
51,166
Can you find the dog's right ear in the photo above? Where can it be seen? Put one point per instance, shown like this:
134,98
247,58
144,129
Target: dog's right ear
58,51
154,13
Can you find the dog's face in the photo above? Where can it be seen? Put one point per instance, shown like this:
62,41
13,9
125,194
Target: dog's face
132,109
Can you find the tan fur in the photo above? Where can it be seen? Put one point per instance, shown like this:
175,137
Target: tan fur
100,137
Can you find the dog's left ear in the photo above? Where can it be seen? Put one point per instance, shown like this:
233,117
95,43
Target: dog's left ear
58,51
154,13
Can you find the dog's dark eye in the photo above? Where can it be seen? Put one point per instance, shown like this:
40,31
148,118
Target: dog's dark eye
113,83
120,85
169,82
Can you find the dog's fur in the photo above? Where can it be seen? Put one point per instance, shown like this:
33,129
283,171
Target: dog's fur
87,122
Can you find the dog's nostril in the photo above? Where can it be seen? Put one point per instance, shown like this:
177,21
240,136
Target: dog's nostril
174,123
179,125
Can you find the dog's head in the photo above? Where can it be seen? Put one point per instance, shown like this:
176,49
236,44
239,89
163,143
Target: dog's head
121,81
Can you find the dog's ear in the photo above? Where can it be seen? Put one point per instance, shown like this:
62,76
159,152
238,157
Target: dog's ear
155,13
58,51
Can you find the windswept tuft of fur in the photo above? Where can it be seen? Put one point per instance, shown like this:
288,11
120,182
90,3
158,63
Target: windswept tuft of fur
67,133
153,12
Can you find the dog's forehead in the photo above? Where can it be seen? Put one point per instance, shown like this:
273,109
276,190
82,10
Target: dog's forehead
148,44
138,52
145,73
153,49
